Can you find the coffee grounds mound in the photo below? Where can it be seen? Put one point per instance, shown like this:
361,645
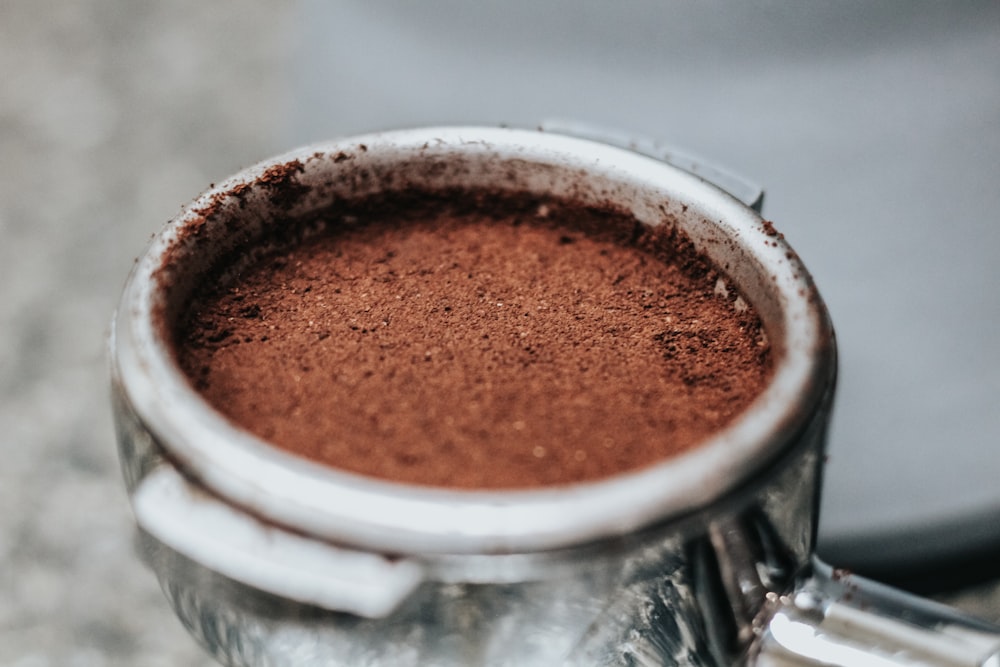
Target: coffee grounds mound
476,342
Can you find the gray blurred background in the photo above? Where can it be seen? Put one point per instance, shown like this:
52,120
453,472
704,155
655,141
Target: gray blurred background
874,127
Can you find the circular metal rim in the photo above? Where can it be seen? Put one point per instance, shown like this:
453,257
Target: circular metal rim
397,518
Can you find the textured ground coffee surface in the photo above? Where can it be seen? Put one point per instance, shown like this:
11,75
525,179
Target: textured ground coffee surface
498,345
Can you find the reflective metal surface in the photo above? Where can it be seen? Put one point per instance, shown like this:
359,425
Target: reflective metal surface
738,186
268,560
682,593
382,516
836,619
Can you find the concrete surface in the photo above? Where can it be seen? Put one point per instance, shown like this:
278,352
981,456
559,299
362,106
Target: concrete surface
112,114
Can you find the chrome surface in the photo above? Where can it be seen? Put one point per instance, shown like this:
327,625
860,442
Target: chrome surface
836,619
738,186
269,560
324,502
685,592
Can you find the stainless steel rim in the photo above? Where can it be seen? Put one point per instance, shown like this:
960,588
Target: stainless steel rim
384,516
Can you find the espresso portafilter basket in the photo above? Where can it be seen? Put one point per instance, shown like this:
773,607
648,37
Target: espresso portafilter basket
703,560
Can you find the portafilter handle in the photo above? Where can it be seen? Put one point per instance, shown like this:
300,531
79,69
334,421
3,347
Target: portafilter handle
834,618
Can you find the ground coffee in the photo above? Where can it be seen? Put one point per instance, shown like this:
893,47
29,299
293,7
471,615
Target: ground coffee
475,341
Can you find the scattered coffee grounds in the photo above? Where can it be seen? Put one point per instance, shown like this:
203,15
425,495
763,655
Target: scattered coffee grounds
476,342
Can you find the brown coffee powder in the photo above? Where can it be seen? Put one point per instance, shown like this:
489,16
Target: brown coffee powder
477,342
